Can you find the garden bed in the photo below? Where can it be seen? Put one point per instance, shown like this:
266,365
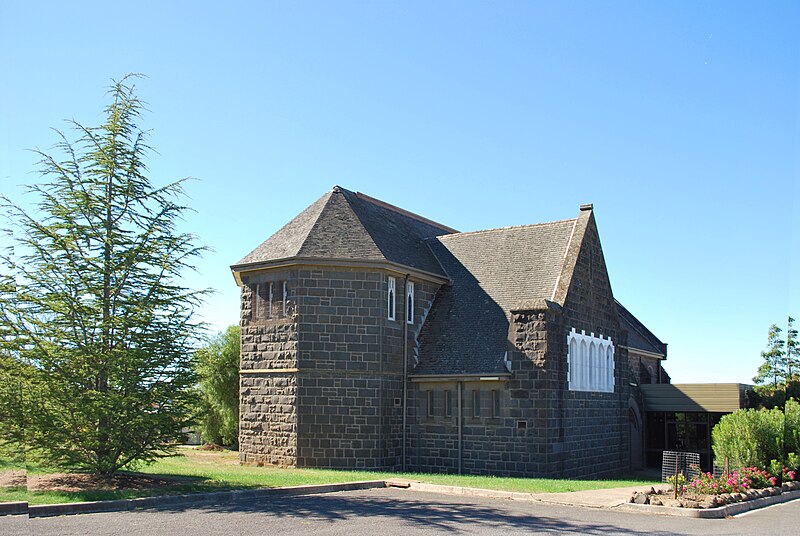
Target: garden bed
691,499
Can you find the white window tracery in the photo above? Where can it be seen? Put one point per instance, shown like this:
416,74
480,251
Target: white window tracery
590,360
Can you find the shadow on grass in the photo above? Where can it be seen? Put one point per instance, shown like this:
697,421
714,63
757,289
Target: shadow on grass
182,485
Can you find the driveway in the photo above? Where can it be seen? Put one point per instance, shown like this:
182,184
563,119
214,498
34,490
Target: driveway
386,512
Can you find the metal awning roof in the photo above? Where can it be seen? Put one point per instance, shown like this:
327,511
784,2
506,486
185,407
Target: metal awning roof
694,397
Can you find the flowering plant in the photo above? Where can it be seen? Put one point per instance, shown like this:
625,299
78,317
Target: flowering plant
760,478
734,482
788,474
707,484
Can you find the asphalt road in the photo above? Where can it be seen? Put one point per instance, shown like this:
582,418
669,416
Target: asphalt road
386,512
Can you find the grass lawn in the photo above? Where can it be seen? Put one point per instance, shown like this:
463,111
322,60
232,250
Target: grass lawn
194,470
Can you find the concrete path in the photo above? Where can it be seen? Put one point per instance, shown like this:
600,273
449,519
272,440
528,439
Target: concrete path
598,498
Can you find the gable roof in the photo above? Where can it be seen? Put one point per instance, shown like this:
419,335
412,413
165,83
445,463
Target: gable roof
639,337
492,273
351,226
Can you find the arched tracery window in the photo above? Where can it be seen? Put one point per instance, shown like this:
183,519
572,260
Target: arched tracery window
591,362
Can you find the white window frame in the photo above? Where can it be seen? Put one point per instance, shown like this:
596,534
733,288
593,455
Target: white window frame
410,302
391,297
590,361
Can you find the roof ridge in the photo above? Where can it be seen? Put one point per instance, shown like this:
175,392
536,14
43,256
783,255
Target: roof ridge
402,211
564,260
506,228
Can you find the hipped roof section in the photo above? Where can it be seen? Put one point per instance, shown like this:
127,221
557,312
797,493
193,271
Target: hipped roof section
351,226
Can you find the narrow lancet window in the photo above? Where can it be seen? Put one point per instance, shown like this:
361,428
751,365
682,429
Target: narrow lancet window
390,298
410,302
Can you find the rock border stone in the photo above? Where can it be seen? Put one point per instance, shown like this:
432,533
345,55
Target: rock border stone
711,513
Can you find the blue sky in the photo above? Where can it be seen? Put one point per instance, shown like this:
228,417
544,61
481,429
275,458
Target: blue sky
678,120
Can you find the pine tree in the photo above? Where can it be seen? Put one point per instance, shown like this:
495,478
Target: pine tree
107,326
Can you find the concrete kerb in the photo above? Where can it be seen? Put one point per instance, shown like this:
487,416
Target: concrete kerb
711,513
13,508
46,510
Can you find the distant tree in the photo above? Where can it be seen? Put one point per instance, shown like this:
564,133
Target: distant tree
217,367
778,376
104,322
792,352
773,369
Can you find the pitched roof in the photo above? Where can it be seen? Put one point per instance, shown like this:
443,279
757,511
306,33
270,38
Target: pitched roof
639,337
492,273
352,226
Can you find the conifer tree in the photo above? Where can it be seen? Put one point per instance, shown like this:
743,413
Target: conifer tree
99,310
773,369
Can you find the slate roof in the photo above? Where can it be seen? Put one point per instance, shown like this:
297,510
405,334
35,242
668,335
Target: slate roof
492,272
639,337
352,226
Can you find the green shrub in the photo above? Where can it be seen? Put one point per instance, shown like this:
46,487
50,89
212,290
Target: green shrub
749,438
792,426
217,368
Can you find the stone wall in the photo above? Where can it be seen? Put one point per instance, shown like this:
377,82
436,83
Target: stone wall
595,424
335,396
267,383
516,437
543,429
268,419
